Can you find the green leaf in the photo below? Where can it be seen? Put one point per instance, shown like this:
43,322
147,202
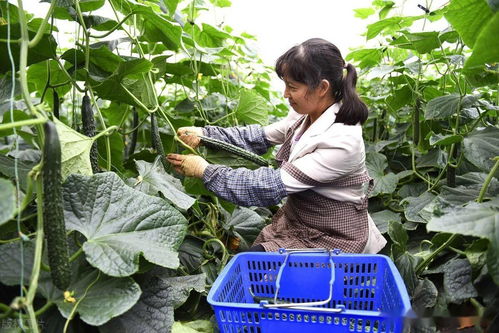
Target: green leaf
425,296
458,281
7,200
394,23
108,297
156,26
121,223
493,261
476,219
486,49
45,49
363,13
365,57
376,164
221,3
414,210
38,76
446,106
433,158
90,5
398,234
383,219
8,168
252,108
154,312
244,224
445,140
75,148
105,297
468,17
481,146
154,178
406,264
400,98
422,42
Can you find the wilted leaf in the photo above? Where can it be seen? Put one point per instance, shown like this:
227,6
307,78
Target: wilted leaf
154,178
121,224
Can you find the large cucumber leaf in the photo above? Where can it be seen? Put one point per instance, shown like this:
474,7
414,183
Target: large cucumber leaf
252,108
155,309
121,224
154,179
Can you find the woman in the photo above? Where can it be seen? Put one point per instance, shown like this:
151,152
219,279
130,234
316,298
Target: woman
322,158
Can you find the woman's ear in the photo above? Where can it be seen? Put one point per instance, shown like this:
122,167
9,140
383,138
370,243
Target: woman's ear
324,87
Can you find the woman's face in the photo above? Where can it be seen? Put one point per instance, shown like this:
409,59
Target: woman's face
302,99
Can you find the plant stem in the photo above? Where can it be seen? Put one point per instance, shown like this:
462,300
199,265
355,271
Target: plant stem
107,131
21,123
485,185
41,29
71,315
421,267
76,255
114,28
30,296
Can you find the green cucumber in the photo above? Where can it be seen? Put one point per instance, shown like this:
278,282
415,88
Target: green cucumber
87,119
235,150
156,141
53,209
57,102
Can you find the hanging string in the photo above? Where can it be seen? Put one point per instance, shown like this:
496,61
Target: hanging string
16,166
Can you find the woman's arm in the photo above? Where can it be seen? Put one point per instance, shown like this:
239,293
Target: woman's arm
250,137
262,187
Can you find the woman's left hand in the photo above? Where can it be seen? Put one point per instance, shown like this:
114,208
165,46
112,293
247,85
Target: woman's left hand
188,165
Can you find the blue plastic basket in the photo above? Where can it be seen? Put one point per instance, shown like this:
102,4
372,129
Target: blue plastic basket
368,294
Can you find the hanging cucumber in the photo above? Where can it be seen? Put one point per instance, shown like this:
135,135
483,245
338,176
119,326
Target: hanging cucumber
57,103
133,139
87,119
235,150
53,211
156,141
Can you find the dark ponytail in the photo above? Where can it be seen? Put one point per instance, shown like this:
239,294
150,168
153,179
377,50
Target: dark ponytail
353,110
317,59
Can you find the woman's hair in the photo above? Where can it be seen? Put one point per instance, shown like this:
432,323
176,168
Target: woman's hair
317,59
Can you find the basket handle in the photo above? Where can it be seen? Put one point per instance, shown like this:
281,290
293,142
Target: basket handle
304,305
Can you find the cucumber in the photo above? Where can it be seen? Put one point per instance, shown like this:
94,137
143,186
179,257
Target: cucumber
133,140
87,119
235,150
55,97
156,142
53,211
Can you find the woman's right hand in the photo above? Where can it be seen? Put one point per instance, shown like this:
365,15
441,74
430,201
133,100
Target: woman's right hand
190,135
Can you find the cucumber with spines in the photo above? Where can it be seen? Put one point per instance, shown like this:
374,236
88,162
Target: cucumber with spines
133,139
57,103
216,144
157,144
53,209
88,121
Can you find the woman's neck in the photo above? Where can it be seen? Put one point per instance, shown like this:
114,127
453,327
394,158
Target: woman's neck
312,117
